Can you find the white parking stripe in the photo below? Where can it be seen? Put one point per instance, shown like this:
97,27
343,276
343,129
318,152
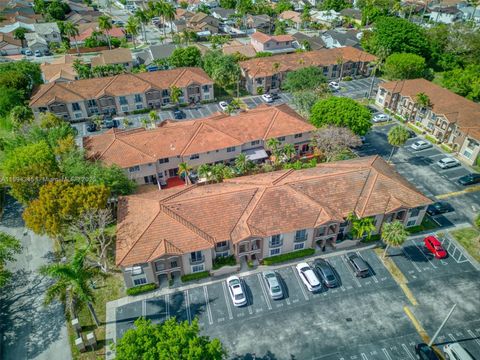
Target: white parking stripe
411,261
207,305
386,354
187,306
452,337
167,307
227,300
302,285
350,271
364,357
408,352
265,294
425,256
472,334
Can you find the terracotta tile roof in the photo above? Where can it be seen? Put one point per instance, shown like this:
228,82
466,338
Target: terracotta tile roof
6,39
124,84
114,56
219,131
262,67
243,49
59,68
196,217
263,38
457,109
291,15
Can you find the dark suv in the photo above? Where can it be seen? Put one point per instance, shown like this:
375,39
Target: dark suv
358,265
324,269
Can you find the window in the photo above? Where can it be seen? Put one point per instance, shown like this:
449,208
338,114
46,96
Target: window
75,107
301,235
163,161
197,268
206,96
138,98
173,264
139,281
231,149
194,156
411,223
123,100
256,142
139,106
165,93
274,252
221,244
78,115
298,136
206,88
299,246
414,212
275,240
124,108
159,266
196,256
281,138
134,168
92,103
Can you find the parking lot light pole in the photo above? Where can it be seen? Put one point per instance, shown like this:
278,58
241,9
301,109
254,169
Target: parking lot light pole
443,324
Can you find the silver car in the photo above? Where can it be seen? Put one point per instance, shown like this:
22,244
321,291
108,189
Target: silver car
447,163
273,285
421,145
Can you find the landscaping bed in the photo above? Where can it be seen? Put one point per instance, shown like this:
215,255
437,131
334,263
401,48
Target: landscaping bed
195,276
289,256
426,225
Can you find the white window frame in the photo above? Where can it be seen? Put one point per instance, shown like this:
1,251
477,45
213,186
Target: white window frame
410,221
124,108
143,281
198,268
299,246
275,251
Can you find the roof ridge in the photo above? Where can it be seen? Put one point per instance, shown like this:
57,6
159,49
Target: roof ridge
323,206
200,125
283,176
260,191
130,145
374,181
271,124
179,75
105,87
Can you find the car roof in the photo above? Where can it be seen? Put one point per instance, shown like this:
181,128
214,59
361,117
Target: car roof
460,350
447,159
433,239
311,277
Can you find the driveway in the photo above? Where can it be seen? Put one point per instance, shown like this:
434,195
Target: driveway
28,329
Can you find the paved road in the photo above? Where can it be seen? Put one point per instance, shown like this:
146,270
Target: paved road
28,329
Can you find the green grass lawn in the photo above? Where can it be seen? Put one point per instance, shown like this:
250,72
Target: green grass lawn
469,238
427,224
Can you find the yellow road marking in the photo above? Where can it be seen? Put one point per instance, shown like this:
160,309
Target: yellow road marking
461,192
409,294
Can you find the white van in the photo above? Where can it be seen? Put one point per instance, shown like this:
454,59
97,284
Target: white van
455,351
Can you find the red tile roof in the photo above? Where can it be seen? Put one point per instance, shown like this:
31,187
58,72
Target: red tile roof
194,218
263,38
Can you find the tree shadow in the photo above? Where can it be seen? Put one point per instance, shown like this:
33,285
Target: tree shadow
12,213
253,356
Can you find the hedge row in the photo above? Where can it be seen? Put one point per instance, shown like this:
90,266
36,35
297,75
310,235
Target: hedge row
223,261
195,276
141,289
288,256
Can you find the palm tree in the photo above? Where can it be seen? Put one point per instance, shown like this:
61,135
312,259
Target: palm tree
204,171
289,151
423,100
184,171
144,121
97,120
393,234
175,94
242,163
71,30
362,226
105,24
169,13
272,145
71,284
153,115
126,122
19,34
143,18
397,136
131,27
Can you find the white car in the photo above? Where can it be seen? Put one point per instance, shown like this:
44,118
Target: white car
380,118
334,85
455,351
308,277
267,98
236,291
421,145
273,285
223,105
447,163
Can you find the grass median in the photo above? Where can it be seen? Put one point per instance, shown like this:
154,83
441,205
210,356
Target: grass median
469,238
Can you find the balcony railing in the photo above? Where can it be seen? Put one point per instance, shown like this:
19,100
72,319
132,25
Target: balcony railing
197,260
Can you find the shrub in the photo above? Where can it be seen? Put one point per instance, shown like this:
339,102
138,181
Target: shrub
431,139
195,276
224,261
141,111
260,90
289,256
347,78
141,289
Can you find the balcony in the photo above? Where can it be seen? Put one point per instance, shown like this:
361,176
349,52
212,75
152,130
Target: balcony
197,260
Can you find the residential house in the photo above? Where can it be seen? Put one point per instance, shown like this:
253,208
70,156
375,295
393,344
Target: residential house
266,74
154,52
183,230
10,28
36,43
49,32
450,118
9,45
83,17
86,30
352,14
201,23
445,15
260,23
340,38
470,13
329,18
275,44
292,18
120,94
314,42
236,47
223,14
153,155
119,56
59,70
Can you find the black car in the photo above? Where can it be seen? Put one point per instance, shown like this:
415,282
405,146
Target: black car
469,179
91,127
411,133
324,269
358,265
275,96
111,123
440,207
425,352
179,115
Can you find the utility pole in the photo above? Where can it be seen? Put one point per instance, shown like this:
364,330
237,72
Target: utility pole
443,324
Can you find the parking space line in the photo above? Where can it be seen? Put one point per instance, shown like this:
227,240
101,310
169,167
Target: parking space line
349,270
364,357
207,304
167,307
386,354
187,307
408,352
264,290
227,301
302,286
425,256
472,334
452,337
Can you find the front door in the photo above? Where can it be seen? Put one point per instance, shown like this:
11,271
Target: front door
173,172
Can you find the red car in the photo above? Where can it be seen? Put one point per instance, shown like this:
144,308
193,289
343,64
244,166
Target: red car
435,247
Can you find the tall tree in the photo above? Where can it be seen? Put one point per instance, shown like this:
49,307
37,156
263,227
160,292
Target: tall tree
143,17
72,284
184,171
175,94
397,136
288,151
403,66
188,56
71,31
423,100
394,234
19,34
307,78
9,247
242,164
362,226
105,25
332,141
131,27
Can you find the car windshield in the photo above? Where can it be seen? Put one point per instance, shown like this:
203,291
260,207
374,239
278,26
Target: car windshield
238,296
276,289
330,277
304,269
234,282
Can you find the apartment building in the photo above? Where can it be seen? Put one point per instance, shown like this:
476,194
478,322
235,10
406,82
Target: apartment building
119,56
120,94
450,118
183,230
263,75
153,156
275,44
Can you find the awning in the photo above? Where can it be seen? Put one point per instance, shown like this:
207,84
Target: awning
256,154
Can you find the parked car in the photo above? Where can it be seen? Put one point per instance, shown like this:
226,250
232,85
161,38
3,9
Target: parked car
335,86
421,145
223,105
28,52
267,98
273,285
236,291
179,114
275,96
327,275
38,53
91,127
358,265
411,133
455,351
308,277
440,207
380,118
111,123
425,352
447,163
435,247
469,179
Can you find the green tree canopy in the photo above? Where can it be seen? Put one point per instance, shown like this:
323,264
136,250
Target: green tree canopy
394,234
341,112
464,82
223,69
397,136
307,78
9,246
170,340
187,56
337,5
283,5
228,4
403,66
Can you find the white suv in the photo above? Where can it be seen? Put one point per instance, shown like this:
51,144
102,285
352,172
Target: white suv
236,291
308,277
455,351
447,163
